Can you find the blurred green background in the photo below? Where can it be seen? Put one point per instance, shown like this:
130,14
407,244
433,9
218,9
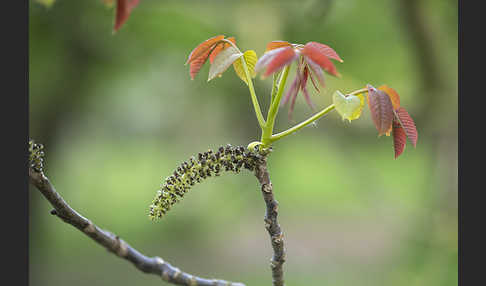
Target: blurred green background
117,113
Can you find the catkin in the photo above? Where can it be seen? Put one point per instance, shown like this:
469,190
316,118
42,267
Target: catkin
36,156
195,170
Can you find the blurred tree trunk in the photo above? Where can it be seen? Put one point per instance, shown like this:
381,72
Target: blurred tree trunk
436,123
436,87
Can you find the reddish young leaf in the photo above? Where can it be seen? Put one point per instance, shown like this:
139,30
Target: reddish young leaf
312,80
303,87
219,47
399,138
407,123
197,64
265,59
203,48
132,4
291,93
316,55
282,57
381,109
312,48
277,44
317,71
395,98
295,91
222,62
299,84
123,10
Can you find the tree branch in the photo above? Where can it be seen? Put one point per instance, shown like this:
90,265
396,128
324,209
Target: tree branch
271,223
153,265
256,161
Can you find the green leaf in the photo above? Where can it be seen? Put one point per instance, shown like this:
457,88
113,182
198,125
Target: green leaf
250,58
349,107
222,61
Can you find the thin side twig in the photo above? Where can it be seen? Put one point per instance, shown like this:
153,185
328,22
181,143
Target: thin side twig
271,223
152,265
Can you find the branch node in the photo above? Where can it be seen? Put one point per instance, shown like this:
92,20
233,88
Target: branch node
267,188
177,272
159,260
89,228
268,223
192,281
274,264
121,248
278,238
53,212
275,208
165,275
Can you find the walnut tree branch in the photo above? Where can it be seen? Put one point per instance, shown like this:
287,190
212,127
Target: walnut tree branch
271,223
153,265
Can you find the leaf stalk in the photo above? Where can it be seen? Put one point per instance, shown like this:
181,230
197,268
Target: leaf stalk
273,110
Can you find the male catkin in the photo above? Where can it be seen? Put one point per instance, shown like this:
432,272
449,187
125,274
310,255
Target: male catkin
193,171
36,156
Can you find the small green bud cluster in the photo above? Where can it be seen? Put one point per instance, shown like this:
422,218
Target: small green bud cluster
193,171
36,156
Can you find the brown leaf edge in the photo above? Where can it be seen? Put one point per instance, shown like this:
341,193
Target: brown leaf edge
407,123
381,109
399,138
123,10
201,53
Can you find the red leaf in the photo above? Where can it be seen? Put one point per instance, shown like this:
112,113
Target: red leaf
219,47
291,93
407,123
381,109
395,98
305,76
303,87
294,96
265,59
399,138
197,64
318,48
123,10
132,4
203,48
317,71
313,82
323,61
282,58
277,44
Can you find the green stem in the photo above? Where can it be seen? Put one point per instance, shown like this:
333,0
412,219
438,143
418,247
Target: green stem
274,86
302,124
359,91
254,98
273,110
